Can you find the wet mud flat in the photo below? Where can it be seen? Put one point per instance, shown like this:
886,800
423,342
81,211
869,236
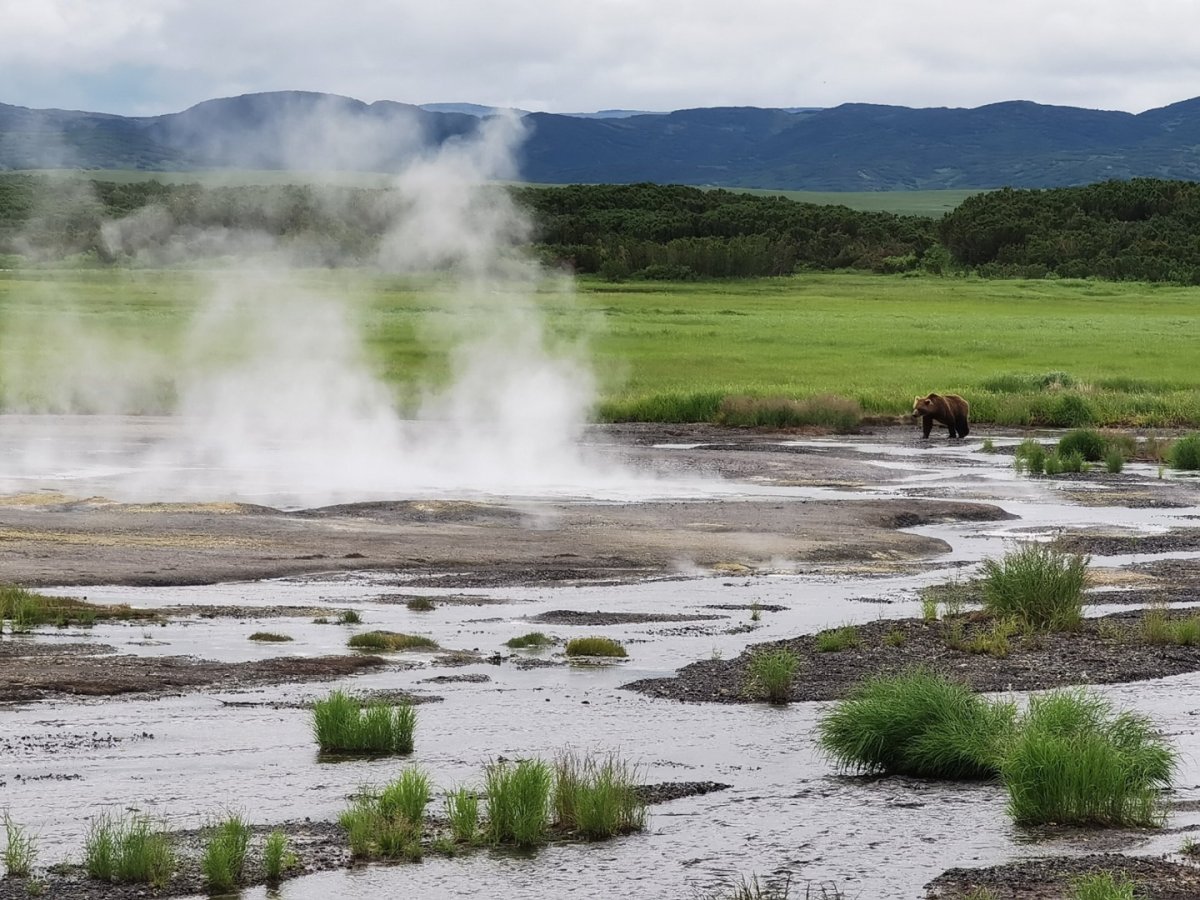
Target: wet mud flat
808,528
1053,878
1107,650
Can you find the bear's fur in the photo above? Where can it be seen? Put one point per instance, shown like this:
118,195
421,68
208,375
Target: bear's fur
948,409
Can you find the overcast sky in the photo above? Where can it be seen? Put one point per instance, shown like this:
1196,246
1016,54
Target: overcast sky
143,57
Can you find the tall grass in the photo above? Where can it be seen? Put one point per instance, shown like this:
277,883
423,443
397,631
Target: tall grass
20,849
1102,886
518,799
1073,761
917,723
25,609
838,414
1030,457
277,858
224,860
342,725
834,640
406,797
596,798
769,675
1089,444
462,812
128,850
1037,585
532,639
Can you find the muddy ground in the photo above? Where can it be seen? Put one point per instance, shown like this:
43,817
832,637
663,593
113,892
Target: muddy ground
1053,878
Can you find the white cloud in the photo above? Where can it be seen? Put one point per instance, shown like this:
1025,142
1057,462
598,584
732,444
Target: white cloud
144,56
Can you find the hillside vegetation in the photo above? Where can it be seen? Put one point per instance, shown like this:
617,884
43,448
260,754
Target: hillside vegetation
1144,229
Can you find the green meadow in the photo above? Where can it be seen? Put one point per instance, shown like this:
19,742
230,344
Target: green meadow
1023,352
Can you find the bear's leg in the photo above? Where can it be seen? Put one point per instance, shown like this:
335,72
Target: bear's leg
963,427
952,433
927,424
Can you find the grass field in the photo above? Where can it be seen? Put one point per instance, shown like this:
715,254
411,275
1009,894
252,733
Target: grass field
1125,353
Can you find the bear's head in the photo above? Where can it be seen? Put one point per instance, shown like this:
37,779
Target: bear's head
925,406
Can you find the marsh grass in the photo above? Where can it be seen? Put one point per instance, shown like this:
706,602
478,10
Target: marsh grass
1030,457
1114,461
1184,454
988,446
462,812
20,849
769,675
420,604
373,835
342,725
834,640
25,609
533,639
894,638
1158,628
129,850
224,860
1042,588
994,639
595,646
391,640
406,797
596,798
838,414
1073,761
349,617
1102,886
518,801
779,889
277,856
917,723
1089,444
270,637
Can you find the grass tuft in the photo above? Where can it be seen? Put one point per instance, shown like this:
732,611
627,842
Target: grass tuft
270,637
462,812
391,640
224,859
277,857
128,851
595,646
1102,886
1072,761
1040,587
1184,454
389,825
343,725
917,723
349,617
20,849
1030,457
532,639
420,604
1089,444
835,640
838,414
596,799
769,675
518,798
25,609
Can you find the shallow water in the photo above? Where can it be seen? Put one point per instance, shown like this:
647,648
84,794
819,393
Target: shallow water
190,758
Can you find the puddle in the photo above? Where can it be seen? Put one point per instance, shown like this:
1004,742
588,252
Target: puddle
189,758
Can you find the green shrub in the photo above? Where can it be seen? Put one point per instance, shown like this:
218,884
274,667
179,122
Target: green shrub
834,640
224,859
1114,461
532,639
769,675
129,850
596,800
1073,762
916,723
342,725
1070,410
1102,886
391,640
595,646
1089,444
1040,587
20,849
1185,453
518,797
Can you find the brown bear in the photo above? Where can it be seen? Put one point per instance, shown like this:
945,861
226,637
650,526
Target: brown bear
948,409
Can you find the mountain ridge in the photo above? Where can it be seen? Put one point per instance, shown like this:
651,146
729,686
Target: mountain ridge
850,147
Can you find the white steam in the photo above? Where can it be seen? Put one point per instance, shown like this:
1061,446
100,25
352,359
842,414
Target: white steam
271,393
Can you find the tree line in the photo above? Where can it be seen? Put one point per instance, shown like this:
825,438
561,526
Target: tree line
1143,229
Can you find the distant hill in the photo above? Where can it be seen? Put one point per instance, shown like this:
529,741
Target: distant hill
853,147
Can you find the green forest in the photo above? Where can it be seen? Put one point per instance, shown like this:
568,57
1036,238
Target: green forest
1137,230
